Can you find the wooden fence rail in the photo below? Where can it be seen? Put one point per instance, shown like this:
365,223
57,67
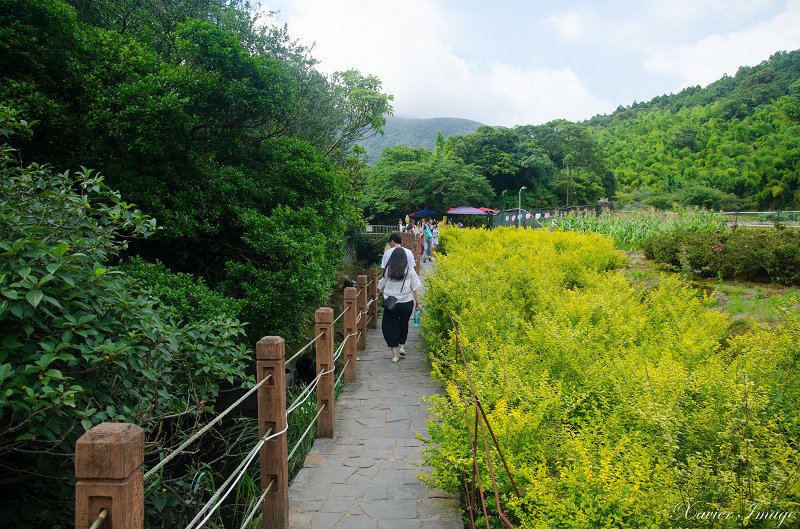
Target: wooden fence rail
109,493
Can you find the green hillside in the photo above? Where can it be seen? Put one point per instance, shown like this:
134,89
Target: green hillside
415,133
732,145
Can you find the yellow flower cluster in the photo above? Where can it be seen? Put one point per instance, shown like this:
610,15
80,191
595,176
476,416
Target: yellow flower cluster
614,404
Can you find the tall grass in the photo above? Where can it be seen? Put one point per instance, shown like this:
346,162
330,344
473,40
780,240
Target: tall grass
629,229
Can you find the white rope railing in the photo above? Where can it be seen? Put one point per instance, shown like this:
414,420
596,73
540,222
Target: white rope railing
371,301
203,430
307,391
303,349
100,519
308,429
339,378
338,352
340,315
257,505
215,501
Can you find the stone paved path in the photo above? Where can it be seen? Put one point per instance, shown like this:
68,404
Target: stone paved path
366,476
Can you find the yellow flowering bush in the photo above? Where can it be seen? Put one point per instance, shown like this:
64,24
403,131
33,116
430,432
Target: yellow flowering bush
614,404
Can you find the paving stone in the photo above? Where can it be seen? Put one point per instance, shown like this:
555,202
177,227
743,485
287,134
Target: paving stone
377,492
311,491
404,477
333,475
450,523
360,462
356,449
396,509
411,491
397,415
399,524
338,504
436,508
356,521
348,491
379,442
325,520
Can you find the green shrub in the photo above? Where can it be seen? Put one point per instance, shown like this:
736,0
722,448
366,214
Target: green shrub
740,253
614,404
190,299
82,342
629,229
369,247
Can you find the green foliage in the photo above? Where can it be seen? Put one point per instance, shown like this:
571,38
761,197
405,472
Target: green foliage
297,251
614,405
369,247
409,132
405,180
733,145
210,121
740,253
630,229
81,341
188,297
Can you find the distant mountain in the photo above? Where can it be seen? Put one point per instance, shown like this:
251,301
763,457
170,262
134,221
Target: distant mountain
415,133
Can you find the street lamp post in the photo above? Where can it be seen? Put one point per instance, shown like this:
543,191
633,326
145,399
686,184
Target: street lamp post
519,206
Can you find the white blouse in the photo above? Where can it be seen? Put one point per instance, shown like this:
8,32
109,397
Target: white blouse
404,292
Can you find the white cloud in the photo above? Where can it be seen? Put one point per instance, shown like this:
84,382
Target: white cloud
572,25
706,60
697,11
408,49
521,96
444,58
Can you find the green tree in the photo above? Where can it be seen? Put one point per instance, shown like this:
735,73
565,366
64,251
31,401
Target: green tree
82,342
406,179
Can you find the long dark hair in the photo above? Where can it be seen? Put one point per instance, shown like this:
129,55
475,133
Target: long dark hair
397,264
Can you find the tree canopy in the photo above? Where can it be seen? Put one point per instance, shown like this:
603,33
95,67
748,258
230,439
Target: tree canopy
212,122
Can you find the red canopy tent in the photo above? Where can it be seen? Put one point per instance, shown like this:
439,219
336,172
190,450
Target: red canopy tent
465,210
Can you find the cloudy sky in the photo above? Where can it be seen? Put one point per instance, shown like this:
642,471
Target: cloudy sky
527,62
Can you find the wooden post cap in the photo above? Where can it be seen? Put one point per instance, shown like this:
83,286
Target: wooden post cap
109,451
270,348
323,315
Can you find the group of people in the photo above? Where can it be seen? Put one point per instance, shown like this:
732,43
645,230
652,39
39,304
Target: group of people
428,230
400,280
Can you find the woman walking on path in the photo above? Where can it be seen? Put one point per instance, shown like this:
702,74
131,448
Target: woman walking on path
401,281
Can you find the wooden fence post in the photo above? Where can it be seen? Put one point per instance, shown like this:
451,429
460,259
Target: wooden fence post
361,281
108,460
373,295
350,328
326,422
417,254
411,242
272,415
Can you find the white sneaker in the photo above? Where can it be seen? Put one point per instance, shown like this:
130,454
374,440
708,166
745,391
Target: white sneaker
395,360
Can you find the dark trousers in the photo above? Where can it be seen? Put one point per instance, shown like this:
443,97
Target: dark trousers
395,323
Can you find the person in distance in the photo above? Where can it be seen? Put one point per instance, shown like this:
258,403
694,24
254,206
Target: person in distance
395,241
